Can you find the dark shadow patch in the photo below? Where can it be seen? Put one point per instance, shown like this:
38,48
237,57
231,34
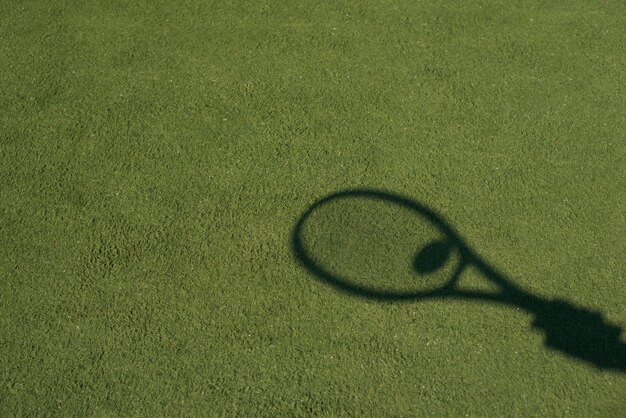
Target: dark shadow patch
572,330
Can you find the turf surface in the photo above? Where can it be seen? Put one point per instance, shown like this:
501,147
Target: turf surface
155,158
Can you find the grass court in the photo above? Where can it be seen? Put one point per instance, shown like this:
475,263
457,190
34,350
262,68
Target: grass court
161,251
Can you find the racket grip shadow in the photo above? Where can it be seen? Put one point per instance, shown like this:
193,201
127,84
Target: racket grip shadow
581,333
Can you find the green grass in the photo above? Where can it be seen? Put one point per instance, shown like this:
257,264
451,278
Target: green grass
156,156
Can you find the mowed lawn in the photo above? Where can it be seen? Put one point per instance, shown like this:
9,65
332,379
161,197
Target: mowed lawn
155,157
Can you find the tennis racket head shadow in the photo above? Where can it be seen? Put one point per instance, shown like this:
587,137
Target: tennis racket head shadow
380,245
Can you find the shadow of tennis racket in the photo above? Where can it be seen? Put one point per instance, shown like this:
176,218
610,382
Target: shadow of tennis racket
570,329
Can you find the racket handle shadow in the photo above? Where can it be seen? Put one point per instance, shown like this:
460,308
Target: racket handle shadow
581,333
